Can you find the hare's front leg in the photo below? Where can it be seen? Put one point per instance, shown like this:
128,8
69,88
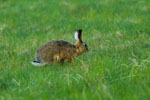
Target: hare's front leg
69,60
62,61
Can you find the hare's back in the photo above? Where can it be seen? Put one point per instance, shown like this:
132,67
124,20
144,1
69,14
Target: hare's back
58,44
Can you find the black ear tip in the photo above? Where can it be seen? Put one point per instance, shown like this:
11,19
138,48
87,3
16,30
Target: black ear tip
79,30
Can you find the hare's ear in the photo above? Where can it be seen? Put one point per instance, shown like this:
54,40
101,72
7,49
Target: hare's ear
78,35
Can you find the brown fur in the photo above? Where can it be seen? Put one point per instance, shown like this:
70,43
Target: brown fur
59,50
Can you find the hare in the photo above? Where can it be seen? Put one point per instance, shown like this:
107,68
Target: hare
59,50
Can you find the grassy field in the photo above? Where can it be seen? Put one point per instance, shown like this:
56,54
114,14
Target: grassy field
117,66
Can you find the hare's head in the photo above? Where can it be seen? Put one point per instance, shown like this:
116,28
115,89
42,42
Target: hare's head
81,46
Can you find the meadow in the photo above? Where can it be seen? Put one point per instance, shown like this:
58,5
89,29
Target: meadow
117,66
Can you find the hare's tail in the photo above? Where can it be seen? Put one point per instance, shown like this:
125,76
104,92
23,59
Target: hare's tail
37,63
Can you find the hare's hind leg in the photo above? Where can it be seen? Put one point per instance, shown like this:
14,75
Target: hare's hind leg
56,58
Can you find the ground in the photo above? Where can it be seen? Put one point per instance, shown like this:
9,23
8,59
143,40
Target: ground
117,66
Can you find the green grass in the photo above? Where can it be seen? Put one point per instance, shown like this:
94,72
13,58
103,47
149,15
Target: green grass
117,66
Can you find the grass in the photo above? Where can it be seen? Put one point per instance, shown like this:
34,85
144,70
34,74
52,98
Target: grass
117,66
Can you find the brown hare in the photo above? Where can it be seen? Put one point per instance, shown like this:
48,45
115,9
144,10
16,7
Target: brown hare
59,50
